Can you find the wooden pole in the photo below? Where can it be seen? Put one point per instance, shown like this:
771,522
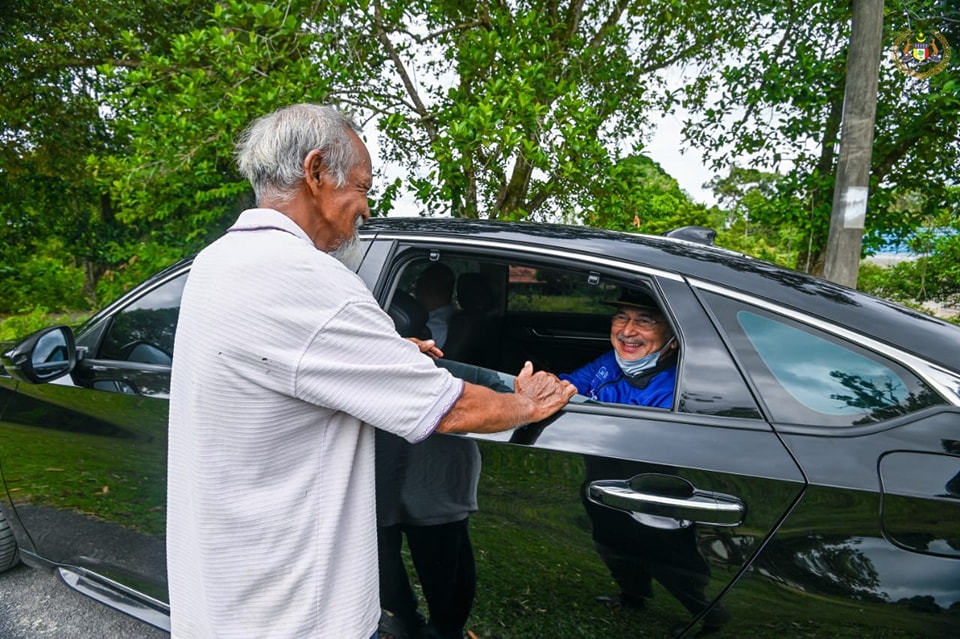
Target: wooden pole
842,259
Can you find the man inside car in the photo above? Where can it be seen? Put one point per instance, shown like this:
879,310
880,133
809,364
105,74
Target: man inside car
642,367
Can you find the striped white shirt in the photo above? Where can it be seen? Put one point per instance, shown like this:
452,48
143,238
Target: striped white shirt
283,363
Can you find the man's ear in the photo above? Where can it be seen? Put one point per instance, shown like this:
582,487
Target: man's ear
314,168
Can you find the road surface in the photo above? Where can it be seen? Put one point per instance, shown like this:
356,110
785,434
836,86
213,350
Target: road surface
36,604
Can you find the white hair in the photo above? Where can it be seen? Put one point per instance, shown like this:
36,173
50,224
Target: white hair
270,153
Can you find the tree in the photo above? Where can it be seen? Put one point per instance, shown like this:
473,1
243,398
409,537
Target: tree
760,216
52,121
638,196
934,274
785,95
511,111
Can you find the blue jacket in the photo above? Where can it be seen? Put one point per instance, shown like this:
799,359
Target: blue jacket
602,380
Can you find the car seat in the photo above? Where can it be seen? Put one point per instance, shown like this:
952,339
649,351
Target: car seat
409,316
472,334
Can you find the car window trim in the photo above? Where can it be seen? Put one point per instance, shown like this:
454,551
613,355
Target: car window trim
502,246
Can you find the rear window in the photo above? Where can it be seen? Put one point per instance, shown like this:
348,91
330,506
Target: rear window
811,377
547,290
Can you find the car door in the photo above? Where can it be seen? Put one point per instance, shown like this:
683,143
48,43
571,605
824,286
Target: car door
669,503
85,456
879,523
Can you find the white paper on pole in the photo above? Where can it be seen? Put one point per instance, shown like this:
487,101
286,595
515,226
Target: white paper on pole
854,203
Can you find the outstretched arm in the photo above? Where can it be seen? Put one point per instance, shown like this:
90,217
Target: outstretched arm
536,396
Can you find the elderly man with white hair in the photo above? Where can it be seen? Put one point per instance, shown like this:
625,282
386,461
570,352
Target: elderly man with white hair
284,366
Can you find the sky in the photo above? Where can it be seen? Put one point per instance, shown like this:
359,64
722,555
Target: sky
686,167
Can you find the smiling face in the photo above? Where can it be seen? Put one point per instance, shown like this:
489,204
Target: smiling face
636,332
328,212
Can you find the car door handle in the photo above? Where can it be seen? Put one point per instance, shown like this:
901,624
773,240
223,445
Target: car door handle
667,497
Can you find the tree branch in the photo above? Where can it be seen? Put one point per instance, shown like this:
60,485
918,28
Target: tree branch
419,106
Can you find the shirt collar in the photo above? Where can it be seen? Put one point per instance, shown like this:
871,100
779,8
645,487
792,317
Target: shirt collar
261,219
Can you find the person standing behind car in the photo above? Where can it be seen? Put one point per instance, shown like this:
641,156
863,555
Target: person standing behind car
285,366
426,492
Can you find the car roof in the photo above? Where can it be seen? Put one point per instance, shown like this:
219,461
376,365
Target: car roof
928,337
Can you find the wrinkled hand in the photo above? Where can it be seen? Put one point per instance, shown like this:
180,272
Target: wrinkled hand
427,346
548,393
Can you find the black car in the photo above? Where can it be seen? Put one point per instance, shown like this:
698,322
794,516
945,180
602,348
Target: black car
805,483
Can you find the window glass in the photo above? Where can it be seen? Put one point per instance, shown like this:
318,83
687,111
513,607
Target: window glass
143,331
550,290
505,312
820,374
807,376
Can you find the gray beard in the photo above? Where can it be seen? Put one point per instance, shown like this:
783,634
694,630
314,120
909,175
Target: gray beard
349,253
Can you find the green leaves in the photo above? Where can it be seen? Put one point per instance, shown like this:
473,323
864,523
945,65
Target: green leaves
119,118
777,105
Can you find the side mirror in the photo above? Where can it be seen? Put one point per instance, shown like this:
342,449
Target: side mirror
43,356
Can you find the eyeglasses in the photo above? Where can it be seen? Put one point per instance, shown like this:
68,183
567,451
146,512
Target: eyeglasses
643,322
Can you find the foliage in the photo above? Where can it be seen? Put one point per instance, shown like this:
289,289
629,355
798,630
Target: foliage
500,111
17,326
181,108
933,276
46,278
761,217
118,118
779,102
637,195
52,118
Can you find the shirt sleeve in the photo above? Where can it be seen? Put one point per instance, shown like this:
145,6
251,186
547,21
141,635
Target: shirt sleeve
583,376
358,364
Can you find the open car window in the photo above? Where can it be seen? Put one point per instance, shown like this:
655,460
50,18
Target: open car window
506,312
497,380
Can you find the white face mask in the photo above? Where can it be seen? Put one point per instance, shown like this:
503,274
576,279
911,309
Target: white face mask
635,367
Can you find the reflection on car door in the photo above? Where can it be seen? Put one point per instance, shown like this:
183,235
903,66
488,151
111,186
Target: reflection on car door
609,498
91,466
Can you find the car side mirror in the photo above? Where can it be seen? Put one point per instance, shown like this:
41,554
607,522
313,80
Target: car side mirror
43,356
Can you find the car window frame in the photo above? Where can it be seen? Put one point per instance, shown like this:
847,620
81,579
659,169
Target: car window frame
762,378
406,249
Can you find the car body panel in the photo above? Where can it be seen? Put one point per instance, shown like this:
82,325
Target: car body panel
792,526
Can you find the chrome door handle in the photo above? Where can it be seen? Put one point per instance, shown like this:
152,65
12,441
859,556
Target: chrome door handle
668,497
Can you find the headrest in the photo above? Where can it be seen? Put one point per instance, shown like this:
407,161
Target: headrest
474,293
409,317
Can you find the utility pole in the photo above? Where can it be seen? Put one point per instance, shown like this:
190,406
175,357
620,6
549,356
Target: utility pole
842,260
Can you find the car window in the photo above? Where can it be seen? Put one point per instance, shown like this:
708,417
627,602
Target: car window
504,312
546,290
811,377
143,331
